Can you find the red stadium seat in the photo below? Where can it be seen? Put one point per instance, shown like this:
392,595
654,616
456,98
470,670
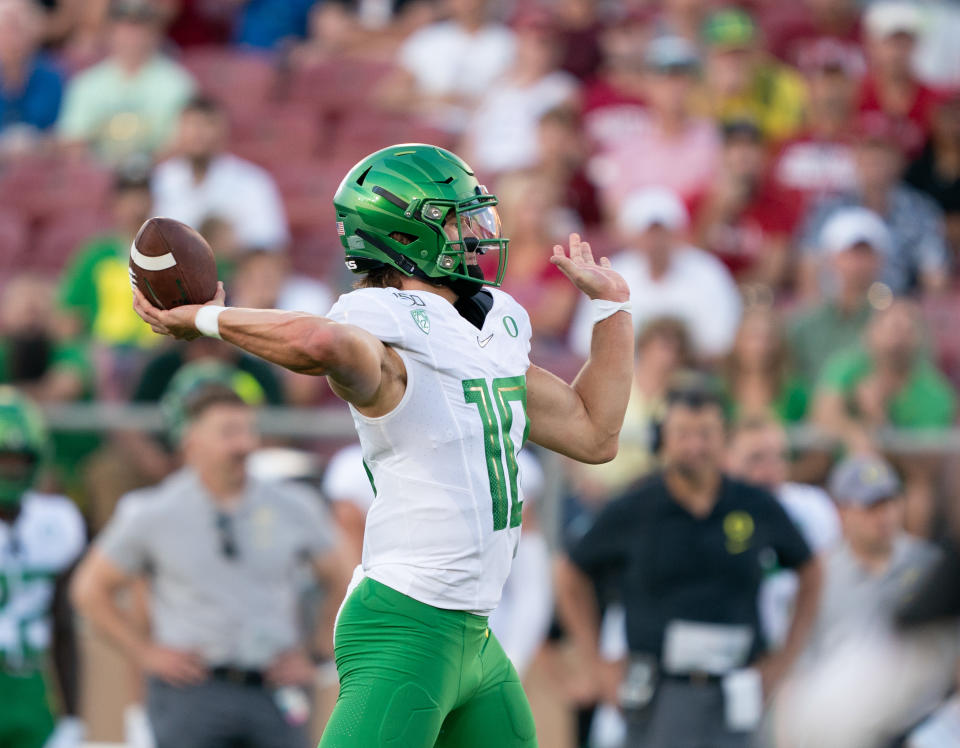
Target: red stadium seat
282,135
14,241
41,189
242,81
335,87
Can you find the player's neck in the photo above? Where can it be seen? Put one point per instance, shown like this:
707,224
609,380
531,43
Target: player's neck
415,284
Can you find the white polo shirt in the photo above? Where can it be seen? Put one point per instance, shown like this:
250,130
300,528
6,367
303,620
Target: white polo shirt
232,189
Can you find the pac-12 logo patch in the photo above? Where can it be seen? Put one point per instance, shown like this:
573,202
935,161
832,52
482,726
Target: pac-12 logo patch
422,320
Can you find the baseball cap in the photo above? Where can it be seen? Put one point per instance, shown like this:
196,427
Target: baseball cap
888,18
666,53
863,480
133,10
848,227
730,28
650,207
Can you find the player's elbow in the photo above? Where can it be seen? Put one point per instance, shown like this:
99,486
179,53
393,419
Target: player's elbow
82,592
603,450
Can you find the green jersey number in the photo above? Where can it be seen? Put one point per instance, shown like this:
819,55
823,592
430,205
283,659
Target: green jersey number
496,413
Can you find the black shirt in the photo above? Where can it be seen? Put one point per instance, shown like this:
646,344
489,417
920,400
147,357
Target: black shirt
672,565
923,175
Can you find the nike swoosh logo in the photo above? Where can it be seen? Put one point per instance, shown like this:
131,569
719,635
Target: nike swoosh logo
483,343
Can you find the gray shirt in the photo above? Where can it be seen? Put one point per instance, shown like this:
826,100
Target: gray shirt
235,607
856,602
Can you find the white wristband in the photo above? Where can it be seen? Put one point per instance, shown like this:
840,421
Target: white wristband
603,308
207,320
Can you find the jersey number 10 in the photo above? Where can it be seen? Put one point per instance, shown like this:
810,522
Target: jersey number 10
498,444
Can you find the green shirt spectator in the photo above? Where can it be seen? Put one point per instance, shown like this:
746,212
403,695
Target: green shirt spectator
68,360
121,113
96,290
926,399
822,331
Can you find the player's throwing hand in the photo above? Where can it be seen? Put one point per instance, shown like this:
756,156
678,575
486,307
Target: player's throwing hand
177,322
596,281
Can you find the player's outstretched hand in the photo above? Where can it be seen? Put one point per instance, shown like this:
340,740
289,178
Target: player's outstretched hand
177,322
598,281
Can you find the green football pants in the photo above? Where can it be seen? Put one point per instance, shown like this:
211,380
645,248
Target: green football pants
25,718
415,676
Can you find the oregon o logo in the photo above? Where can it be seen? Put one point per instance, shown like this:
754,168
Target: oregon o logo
510,324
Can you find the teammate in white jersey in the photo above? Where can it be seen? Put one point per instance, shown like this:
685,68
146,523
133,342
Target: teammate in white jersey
433,362
41,536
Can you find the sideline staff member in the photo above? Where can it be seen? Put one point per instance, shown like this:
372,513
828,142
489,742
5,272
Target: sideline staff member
688,547
223,553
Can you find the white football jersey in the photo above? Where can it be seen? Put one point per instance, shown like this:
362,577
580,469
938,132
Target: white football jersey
445,523
45,539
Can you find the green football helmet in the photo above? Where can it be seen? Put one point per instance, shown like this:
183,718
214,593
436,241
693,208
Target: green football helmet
420,209
23,445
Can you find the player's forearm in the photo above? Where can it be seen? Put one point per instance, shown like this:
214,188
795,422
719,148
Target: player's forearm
294,340
97,604
603,383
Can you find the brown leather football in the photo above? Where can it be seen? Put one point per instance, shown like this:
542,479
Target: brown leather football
172,264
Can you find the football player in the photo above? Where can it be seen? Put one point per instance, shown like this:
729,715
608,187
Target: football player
432,359
41,536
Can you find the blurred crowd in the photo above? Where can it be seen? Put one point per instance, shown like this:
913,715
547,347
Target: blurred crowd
779,183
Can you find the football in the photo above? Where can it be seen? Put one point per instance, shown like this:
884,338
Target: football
172,264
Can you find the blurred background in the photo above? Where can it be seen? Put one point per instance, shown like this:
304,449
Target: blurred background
778,182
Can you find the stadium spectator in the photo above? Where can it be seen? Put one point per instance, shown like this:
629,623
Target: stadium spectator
530,205
741,82
267,24
862,681
743,218
692,622
614,102
889,381
891,88
759,453
580,28
664,352
502,131
41,535
668,277
447,66
203,180
683,18
563,156
918,255
30,85
95,287
668,147
332,35
855,241
224,657
820,161
50,369
758,376
794,31
937,170
264,280
128,103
